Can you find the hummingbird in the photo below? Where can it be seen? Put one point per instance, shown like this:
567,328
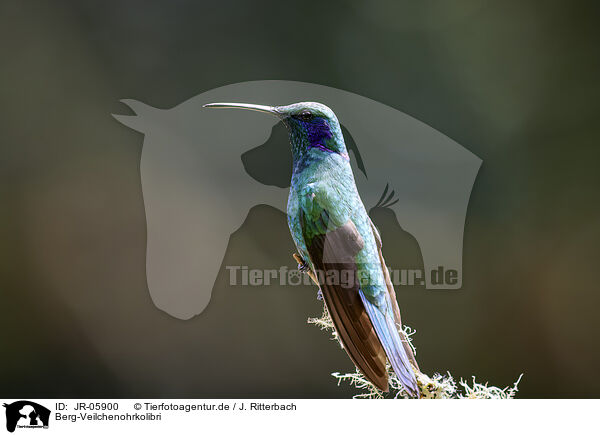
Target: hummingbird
339,246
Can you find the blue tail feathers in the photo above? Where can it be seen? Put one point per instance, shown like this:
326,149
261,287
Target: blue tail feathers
390,339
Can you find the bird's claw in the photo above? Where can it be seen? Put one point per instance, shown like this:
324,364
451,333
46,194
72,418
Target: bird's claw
302,265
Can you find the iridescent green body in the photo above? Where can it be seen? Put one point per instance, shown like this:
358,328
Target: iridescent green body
323,181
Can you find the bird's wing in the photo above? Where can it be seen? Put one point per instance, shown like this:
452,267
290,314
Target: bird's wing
334,250
392,297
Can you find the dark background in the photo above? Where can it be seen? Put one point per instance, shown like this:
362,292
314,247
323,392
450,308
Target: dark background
514,82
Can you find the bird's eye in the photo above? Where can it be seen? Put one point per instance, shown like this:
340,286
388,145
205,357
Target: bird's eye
305,116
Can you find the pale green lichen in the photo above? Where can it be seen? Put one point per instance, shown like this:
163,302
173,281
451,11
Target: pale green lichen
435,387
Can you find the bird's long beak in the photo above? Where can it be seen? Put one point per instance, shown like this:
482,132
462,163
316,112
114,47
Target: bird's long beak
256,107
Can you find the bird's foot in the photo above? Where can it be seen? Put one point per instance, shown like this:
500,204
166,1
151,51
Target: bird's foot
302,265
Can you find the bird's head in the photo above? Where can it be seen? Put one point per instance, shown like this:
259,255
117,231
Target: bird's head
313,127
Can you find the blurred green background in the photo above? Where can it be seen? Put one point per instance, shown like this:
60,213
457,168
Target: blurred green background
514,82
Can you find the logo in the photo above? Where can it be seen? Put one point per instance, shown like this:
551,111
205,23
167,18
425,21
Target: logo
199,184
26,414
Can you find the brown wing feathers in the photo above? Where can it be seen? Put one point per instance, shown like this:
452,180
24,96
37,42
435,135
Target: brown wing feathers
336,251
